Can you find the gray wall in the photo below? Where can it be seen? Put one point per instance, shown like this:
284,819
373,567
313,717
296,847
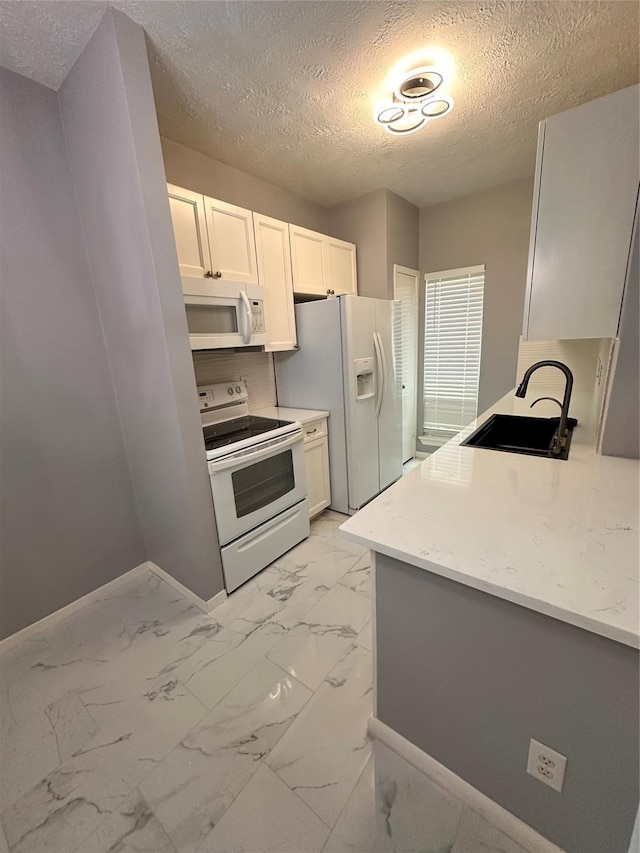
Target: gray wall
68,517
470,678
621,432
384,227
490,228
403,223
116,160
363,221
197,172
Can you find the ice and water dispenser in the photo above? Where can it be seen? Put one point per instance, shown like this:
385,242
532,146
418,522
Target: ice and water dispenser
365,378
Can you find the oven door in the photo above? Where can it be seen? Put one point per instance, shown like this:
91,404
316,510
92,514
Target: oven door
253,485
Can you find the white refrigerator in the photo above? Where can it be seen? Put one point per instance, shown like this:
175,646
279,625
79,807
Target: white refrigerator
344,365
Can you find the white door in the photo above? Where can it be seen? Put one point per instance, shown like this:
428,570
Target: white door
274,272
231,241
309,261
190,231
405,351
341,263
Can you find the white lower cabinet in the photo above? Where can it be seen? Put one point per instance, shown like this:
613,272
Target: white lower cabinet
316,460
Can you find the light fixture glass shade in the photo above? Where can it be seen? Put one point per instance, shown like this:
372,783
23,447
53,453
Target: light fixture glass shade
437,107
418,84
411,121
390,113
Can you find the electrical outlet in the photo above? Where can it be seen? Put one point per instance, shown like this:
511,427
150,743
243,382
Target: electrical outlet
546,764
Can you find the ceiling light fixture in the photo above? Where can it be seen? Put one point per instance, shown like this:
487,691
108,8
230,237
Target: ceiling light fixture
416,99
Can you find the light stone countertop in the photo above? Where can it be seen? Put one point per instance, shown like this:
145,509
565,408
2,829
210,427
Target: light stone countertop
558,537
303,416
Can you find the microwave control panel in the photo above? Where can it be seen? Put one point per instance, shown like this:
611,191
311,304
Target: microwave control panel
257,316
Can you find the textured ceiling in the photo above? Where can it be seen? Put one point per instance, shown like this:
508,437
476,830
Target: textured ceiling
285,90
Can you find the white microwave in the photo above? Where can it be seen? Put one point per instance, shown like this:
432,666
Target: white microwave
232,315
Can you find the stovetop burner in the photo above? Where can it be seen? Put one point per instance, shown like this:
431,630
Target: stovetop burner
229,432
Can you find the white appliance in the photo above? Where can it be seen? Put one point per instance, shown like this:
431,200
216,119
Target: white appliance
258,483
345,365
231,316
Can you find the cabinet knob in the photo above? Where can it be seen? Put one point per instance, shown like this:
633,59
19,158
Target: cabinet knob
208,274
330,292
217,274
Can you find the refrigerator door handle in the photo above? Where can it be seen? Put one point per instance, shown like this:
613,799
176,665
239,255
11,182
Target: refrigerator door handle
384,367
381,370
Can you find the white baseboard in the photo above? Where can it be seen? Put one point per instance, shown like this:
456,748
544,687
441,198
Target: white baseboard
69,609
58,615
205,606
465,793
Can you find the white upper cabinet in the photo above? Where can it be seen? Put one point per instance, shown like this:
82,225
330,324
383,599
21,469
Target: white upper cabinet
585,195
214,242
310,273
341,261
274,272
231,242
190,230
322,265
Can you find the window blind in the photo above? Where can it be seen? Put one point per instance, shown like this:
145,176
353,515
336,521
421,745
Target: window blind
452,344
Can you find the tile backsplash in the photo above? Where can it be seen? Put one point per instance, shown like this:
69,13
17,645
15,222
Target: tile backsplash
255,367
587,359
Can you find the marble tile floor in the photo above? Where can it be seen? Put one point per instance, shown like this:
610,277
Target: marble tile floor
141,724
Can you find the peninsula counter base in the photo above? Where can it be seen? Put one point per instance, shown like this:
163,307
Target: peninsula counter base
470,678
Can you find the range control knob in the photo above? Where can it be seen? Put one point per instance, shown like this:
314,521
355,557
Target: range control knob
238,389
230,391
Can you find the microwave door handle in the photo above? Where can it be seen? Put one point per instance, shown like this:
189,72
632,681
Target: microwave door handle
268,449
248,317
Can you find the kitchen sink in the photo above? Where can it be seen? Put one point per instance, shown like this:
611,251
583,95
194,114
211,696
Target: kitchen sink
521,434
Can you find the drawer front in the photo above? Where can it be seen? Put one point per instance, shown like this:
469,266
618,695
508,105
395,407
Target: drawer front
314,429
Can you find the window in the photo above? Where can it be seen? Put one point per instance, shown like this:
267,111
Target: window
452,343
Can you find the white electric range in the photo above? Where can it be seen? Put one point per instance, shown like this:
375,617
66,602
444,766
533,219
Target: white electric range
258,483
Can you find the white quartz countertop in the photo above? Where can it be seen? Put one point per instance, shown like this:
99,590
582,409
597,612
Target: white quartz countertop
304,416
559,537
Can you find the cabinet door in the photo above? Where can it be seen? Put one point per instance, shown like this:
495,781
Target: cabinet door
274,273
586,185
341,263
231,241
309,261
316,460
190,231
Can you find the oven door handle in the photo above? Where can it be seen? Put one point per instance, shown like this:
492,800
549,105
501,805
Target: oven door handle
267,449
248,317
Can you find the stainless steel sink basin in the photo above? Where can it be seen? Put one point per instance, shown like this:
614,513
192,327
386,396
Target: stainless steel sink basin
520,434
